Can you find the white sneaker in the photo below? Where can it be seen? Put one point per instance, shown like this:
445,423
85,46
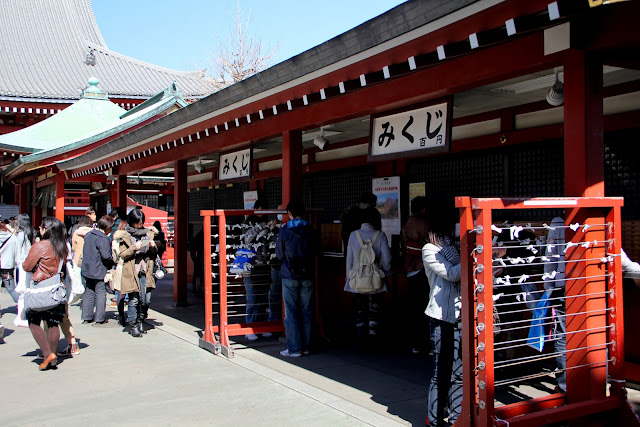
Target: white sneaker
251,337
287,353
267,334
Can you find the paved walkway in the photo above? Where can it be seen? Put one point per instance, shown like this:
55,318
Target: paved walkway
165,378
161,379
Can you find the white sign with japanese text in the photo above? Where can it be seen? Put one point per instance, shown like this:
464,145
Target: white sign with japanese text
387,190
235,165
424,128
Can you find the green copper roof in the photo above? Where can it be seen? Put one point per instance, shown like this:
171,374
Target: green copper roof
89,120
92,112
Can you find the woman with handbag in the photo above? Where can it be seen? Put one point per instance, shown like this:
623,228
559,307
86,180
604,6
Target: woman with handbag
8,256
25,237
138,252
116,273
45,260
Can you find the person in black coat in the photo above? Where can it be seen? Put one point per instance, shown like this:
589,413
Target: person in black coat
97,260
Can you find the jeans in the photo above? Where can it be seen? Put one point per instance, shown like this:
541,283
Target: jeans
445,387
94,297
275,295
367,317
9,283
138,299
252,300
298,313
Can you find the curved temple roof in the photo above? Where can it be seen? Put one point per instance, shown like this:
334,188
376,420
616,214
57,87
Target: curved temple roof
43,46
92,119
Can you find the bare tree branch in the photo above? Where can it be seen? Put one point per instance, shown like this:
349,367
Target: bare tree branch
239,55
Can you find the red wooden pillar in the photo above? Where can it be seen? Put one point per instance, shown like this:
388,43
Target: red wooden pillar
584,176
180,229
121,196
291,165
60,196
583,141
23,189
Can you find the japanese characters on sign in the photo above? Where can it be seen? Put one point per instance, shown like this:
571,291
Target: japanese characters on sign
235,165
425,128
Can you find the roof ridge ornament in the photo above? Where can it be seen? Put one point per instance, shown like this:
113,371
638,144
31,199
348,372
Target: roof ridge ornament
93,91
90,59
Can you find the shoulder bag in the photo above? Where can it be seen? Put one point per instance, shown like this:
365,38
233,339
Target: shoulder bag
46,294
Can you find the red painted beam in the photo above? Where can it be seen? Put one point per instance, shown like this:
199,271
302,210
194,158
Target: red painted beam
4,129
525,55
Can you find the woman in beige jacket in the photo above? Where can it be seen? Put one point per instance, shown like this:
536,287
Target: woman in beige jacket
77,240
138,253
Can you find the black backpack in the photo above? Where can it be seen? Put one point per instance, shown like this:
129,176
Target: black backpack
299,255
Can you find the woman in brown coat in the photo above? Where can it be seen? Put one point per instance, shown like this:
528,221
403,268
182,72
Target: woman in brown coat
85,225
45,260
138,252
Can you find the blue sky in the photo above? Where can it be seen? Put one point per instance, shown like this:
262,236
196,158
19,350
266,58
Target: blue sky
182,35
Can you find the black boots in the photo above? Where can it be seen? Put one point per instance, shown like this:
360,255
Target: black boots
134,329
145,311
122,317
140,323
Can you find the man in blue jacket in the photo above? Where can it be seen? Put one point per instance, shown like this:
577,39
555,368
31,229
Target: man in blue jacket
296,248
96,261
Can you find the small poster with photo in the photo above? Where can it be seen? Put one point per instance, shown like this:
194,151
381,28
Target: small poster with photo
387,190
250,198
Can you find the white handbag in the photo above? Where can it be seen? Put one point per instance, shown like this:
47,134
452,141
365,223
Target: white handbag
74,282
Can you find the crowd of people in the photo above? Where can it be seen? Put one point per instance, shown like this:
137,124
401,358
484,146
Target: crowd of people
46,269
117,252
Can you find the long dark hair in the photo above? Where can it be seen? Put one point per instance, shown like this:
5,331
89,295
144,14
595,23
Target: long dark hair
24,225
441,214
55,232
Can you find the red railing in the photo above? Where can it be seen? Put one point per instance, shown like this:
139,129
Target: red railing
592,294
216,273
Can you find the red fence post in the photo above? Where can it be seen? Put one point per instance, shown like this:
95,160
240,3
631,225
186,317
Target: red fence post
616,315
208,341
208,299
224,321
467,243
484,313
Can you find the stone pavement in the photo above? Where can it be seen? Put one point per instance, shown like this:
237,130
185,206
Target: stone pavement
167,379
161,379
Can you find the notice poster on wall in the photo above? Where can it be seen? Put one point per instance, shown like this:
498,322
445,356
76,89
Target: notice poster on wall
388,192
250,198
